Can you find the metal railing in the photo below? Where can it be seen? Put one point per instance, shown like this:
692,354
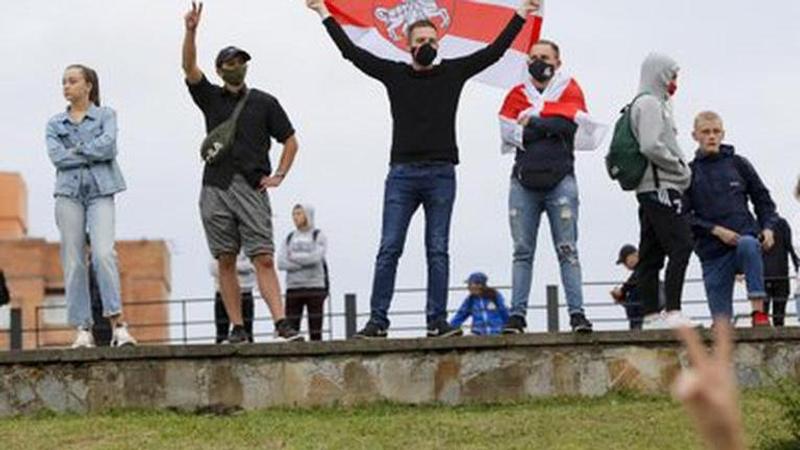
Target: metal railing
344,323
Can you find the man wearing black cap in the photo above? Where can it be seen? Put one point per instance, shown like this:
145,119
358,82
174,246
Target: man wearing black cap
626,294
234,203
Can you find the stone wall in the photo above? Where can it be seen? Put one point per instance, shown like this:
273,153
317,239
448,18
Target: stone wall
453,371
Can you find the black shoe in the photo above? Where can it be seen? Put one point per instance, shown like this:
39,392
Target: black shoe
286,332
371,331
515,325
238,335
580,324
442,329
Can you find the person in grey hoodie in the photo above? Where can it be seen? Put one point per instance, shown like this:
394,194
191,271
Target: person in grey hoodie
302,256
665,228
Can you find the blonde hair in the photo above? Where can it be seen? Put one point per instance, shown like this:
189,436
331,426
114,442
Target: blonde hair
706,116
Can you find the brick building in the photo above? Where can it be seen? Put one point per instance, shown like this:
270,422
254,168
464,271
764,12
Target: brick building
33,270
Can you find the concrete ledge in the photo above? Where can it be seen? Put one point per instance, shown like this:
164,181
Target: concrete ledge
362,347
450,371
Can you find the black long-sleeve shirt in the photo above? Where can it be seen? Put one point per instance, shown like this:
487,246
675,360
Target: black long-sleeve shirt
424,103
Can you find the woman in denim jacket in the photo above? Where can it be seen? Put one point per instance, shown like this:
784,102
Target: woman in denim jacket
82,144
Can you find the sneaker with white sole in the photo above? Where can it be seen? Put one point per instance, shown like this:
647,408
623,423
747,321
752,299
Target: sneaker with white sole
655,321
83,339
121,337
676,319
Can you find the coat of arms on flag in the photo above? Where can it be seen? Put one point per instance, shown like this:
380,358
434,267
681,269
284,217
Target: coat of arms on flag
394,17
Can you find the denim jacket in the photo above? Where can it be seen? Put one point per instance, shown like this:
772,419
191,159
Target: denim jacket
91,145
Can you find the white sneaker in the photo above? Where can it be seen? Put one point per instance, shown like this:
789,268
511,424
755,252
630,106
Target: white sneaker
83,339
676,319
657,321
122,337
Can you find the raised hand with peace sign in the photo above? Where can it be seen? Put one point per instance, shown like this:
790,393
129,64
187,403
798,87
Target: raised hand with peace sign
190,67
708,389
192,18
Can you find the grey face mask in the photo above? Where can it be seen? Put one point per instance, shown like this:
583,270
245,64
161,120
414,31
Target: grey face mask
234,77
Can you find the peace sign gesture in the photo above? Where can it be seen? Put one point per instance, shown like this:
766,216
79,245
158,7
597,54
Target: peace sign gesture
192,18
708,389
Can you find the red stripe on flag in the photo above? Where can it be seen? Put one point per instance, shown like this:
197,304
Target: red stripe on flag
484,22
348,12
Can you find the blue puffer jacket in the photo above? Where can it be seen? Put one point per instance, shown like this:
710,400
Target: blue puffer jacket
488,316
722,186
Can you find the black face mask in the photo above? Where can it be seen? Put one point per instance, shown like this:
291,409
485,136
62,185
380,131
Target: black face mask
425,55
541,71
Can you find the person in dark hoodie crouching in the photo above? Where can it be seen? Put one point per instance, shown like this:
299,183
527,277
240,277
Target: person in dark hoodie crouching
729,240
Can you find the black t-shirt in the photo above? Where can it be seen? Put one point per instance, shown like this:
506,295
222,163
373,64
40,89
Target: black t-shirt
424,103
261,120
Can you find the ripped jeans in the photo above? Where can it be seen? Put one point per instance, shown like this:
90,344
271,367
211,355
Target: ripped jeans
525,211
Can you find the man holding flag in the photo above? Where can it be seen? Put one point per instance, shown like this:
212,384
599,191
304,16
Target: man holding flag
424,98
544,120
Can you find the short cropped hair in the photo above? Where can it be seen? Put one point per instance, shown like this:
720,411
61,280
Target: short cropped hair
706,116
551,44
423,23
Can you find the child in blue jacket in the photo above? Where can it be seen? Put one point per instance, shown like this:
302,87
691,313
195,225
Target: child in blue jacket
485,305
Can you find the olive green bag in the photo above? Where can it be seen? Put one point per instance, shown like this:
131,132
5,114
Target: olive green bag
220,140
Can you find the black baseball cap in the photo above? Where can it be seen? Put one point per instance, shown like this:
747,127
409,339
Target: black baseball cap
230,52
625,251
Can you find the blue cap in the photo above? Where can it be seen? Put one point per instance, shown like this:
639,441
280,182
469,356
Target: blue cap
478,278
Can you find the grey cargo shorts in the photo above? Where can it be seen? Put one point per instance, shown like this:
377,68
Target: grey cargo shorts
239,217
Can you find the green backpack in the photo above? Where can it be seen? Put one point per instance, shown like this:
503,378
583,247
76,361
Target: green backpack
625,162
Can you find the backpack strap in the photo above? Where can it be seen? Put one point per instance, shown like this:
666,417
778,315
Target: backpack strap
628,110
289,238
240,106
656,178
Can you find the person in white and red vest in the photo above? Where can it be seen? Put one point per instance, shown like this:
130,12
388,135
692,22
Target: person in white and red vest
543,121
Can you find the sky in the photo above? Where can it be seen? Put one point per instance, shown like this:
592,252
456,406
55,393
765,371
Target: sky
737,58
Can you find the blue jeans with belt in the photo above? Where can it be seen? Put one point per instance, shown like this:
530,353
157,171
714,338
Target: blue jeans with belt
409,186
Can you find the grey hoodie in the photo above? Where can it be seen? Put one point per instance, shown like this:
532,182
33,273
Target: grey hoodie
302,256
654,127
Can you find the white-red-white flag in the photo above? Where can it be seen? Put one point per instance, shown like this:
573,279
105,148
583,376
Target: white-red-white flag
465,26
563,98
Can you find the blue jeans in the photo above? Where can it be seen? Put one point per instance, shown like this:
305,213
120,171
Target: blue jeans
719,276
432,185
74,217
525,210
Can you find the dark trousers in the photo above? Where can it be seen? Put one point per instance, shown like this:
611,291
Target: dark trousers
633,310
311,299
777,294
222,321
101,328
664,234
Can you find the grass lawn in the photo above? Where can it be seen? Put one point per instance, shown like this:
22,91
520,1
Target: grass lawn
615,422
